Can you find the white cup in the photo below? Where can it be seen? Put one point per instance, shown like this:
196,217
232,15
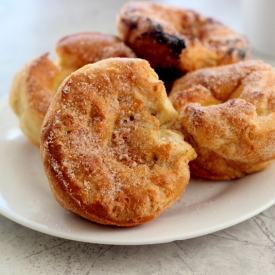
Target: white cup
259,25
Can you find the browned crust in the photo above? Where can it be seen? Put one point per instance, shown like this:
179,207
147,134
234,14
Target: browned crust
227,114
179,39
80,49
34,86
31,92
106,148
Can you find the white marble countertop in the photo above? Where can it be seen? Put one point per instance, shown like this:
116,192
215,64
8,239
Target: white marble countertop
29,28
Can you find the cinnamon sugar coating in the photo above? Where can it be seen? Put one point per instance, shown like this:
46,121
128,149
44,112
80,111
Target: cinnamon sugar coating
177,39
35,84
106,145
227,114
76,50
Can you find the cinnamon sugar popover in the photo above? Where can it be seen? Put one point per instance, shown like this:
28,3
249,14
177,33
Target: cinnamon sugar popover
35,84
106,145
178,40
227,114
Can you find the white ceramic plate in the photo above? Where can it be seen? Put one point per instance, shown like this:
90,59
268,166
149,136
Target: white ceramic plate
205,207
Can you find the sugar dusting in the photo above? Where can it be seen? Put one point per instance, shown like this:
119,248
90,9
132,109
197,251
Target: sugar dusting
96,143
239,130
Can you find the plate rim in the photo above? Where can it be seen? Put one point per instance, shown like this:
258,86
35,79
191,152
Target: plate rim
15,217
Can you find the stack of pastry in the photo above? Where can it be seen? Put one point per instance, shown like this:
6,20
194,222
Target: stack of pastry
118,148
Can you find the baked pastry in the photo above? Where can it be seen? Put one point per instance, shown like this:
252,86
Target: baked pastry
76,50
227,114
35,84
106,145
176,40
